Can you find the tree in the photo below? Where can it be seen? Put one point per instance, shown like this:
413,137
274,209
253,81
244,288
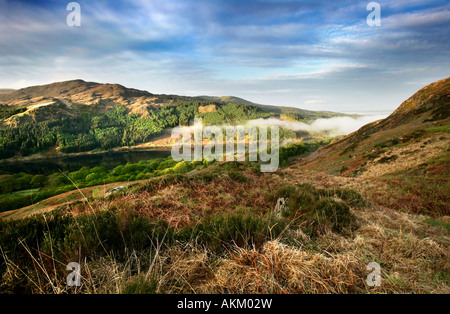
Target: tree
38,181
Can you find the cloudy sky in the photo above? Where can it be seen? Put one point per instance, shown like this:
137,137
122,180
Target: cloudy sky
318,55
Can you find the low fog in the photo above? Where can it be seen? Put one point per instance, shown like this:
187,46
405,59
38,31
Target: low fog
336,126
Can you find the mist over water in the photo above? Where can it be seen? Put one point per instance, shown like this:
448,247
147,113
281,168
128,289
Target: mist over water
336,125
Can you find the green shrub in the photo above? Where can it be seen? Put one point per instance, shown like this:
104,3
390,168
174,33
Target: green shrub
351,197
237,176
336,214
206,177
8,203
141,285
181,167
245,230
316,208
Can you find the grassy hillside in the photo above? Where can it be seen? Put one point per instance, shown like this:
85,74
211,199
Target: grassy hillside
313,226
216,230
408,151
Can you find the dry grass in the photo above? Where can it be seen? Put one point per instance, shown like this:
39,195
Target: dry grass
206,109
410,254
184,202
413,254
414,258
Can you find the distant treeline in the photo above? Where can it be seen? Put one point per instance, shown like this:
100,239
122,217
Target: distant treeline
115,128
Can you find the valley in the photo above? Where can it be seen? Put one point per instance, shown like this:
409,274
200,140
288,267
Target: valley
379,194
214,154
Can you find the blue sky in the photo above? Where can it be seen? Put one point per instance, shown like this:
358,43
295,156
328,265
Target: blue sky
318,55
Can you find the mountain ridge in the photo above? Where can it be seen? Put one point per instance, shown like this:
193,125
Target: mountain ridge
276,109
101,97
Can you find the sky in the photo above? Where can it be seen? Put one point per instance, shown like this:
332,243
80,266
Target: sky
316,55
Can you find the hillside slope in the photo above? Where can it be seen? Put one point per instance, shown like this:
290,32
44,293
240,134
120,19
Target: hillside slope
410,148
218,230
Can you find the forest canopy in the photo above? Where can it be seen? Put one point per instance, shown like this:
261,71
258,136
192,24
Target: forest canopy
115,128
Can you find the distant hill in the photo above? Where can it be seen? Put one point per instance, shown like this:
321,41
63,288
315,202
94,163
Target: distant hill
227,100
6,90
74,96
282,110
86,92
94,97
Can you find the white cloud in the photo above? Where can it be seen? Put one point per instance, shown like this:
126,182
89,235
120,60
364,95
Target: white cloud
315,102
418,19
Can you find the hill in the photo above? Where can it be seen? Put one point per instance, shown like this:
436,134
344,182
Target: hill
227,100
6,90
409,149
94,97
296,113
78,116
